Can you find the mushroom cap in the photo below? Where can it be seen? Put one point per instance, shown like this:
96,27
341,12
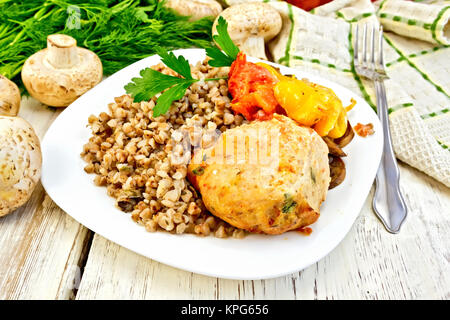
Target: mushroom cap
9,97
196,9
251,19
20,162
59,86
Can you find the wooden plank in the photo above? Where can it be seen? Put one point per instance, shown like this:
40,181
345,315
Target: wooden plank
369,263
373,264
41,247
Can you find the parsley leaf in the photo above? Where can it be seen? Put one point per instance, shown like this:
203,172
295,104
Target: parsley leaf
153,82
175,93
150,83
219,59
178,64
223,40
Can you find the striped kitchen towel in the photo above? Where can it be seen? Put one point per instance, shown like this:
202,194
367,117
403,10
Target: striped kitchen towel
417,56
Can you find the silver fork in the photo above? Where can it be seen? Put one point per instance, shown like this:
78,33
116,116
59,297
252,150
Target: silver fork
388,202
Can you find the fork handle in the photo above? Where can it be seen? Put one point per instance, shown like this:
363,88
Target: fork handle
388,202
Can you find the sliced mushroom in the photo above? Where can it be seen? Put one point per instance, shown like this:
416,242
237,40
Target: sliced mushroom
337,171
250,26
333,148
347,137
9,97
195,9
20,163
59,74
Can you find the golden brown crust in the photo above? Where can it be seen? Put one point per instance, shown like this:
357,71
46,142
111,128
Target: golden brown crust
261,197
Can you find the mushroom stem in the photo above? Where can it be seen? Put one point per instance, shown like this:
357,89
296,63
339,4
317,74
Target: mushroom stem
254,47
62,51
251,25
62,72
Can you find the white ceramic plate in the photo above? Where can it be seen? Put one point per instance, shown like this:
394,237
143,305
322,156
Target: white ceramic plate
254,257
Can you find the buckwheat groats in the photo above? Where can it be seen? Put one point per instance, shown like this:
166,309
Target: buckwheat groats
142,161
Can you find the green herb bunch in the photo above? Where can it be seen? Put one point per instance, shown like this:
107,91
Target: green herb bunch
119,32
153,82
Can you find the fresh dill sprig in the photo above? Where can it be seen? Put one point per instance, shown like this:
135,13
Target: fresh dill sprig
119,32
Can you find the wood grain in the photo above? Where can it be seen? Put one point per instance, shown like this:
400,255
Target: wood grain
369,263
40,246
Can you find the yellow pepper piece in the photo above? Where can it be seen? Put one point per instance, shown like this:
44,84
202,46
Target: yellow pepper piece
327,123
300,101
311,104
341,124
340,127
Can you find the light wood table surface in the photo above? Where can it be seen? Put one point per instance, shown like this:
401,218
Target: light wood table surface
45,254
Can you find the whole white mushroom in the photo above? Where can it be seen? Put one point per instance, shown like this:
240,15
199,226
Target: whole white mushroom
9,97
59,74
250,26
195,9
20,162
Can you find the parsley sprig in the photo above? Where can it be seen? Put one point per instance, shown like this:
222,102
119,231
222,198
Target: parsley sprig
153,82
230,51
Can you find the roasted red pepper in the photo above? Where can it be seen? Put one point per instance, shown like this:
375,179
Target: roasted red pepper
251,87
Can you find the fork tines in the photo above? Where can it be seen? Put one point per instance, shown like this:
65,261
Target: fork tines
369,64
